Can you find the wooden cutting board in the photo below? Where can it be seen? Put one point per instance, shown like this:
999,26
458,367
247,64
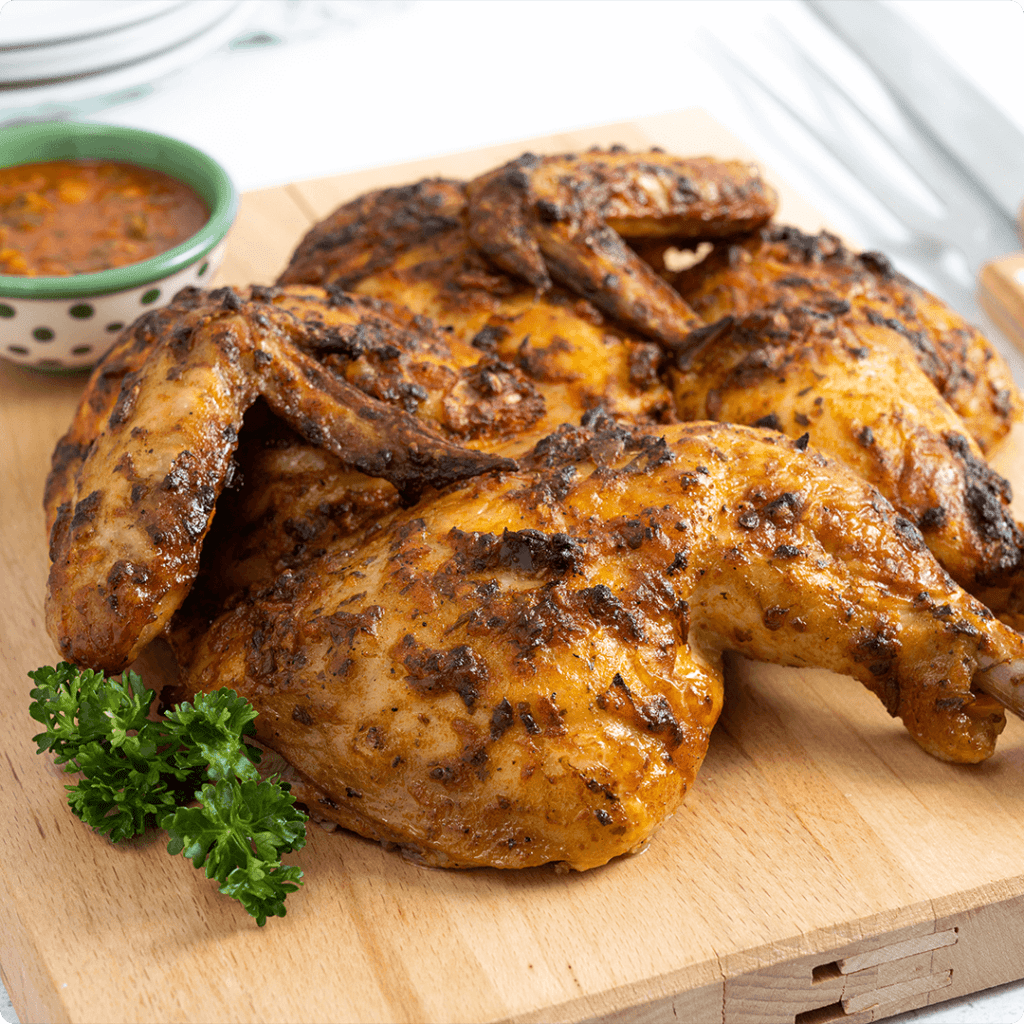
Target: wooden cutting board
823,868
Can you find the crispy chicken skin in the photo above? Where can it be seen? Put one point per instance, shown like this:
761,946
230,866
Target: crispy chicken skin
784,265
369,233
125,357
527,668
564,218
387,352
129,526
853,387
411,246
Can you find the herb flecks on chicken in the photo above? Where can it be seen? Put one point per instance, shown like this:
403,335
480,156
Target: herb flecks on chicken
412,246
911,406
527,668
524,665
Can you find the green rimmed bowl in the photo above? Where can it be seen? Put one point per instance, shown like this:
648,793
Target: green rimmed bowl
67,323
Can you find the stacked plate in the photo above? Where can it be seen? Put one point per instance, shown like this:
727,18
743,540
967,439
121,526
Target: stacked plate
63,51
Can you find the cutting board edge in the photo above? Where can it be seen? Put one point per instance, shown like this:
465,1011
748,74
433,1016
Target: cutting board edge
975,960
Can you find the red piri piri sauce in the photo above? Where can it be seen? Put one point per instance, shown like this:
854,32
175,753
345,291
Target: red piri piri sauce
82,216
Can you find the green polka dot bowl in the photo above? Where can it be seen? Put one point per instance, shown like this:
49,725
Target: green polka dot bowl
65,324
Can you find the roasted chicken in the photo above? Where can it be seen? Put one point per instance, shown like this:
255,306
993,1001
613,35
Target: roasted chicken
411,246
559,218
461,556
527,667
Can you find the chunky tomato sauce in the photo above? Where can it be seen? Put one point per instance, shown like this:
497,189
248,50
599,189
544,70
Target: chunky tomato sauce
82,216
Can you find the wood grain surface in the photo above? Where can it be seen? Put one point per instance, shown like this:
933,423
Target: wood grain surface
823,868
1001,294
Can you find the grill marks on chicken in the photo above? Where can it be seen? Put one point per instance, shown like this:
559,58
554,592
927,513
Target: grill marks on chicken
527,668
781,265
852,388
126,540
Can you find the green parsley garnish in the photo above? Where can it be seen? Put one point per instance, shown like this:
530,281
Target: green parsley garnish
137,771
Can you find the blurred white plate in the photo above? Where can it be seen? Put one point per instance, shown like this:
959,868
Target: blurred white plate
213,23
98,45
42,22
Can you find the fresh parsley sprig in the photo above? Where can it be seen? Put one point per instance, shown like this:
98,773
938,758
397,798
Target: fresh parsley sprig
137,771
238,834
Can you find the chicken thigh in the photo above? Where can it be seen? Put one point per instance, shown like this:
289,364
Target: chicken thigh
854,390
526,668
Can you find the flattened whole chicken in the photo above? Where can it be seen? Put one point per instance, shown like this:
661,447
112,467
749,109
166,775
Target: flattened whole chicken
527,667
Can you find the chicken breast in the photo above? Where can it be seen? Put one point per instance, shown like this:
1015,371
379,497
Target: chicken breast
782,264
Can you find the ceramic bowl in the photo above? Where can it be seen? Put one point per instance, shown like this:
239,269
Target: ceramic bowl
67,323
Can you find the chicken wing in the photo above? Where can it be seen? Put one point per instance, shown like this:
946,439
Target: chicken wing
527,667
565,218
130,524
481,257
125,357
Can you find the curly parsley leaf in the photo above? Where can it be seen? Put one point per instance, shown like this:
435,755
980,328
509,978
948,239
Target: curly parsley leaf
78,707
115,796
237,835
136,770
100,728
211,732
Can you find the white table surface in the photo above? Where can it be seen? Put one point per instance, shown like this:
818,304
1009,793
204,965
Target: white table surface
349,85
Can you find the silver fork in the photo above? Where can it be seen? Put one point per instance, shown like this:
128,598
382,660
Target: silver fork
887,178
